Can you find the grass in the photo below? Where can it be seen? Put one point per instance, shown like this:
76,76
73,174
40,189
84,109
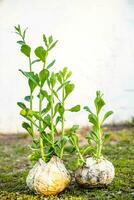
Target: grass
14,167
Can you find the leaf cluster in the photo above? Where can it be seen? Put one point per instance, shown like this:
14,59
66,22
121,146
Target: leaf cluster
96,137
53,90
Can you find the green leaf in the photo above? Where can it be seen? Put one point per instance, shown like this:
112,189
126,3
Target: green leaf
58,119
23,112
47,138
21,105
87,109
59,77
63,84
45,94
28,128
50,39
74,128
51,64
25,49
37,115
61,142
93,119
53,79
30,75
61,110
46,109
99,102
90,138
94,135
34,156
56,109
68,75
86,150
55,94
45,40
24,33
107,114
26,112
17,28
30,113
43,76
64,71
106,137
21,42
47,121
68,89
40,52
27,98
73,138
75,108
35,61
35,145
53,45
32,85
50,153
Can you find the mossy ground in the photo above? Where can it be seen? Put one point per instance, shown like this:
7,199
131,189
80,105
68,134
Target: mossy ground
14,167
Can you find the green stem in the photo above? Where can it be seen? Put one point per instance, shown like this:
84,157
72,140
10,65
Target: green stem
52,113
99,145
80,155
31,101
62,120
99,149
63,104
33,122
61,153
40,123
40,127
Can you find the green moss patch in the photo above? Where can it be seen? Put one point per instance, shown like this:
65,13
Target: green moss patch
14,167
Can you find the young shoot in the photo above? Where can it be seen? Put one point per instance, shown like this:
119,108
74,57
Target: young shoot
26,50
63,91
53,90
96,135
37,118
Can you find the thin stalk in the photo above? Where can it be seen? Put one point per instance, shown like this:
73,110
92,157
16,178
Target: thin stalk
33,122
52,113
40,124
40,128
31,100
63,104
80,155
62,120
99,145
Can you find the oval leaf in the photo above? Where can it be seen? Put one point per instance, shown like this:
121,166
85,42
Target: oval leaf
40,52
21,105
30,75
107,115
75,108
25,49
43,76
68,89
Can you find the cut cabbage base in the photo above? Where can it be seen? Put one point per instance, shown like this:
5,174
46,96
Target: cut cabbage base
48,178
95,173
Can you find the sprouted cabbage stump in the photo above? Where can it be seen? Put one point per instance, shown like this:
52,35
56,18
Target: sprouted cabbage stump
50,90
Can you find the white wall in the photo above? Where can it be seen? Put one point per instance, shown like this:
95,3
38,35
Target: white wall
96,41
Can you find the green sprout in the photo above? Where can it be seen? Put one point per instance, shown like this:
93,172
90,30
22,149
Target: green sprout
53,88
96,135
26,49
95,138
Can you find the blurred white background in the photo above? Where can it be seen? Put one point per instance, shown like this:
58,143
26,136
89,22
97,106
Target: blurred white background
96,41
